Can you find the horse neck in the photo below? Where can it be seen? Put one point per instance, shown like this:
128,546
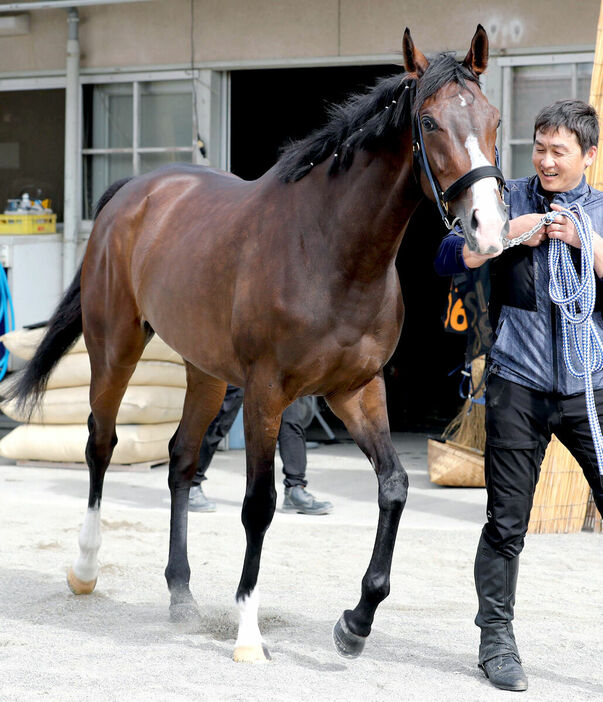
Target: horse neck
370,206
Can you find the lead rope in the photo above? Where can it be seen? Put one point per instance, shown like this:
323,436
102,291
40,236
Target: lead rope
575,296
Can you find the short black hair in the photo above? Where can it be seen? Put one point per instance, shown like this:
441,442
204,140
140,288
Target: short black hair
575,115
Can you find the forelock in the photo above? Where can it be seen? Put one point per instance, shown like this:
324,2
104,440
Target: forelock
442,69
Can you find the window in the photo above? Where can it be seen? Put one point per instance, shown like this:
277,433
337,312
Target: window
132,128
529,84
32,149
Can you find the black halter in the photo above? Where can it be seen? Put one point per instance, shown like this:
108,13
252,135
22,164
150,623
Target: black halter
420,161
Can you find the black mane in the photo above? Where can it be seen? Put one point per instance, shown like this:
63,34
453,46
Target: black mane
369,120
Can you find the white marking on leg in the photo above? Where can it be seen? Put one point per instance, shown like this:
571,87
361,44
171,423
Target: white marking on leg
249,631
86,565
485,197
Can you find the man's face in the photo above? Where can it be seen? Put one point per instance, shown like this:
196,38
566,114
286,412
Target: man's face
558,159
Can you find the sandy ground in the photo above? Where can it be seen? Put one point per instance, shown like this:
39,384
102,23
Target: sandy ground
118,643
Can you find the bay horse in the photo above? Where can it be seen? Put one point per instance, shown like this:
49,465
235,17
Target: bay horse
286,286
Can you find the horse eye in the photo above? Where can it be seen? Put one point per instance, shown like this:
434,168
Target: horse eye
428,124
499,123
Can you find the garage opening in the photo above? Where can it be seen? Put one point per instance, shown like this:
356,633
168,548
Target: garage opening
270,108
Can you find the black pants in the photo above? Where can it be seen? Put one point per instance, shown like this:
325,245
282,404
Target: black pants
291,439
519,424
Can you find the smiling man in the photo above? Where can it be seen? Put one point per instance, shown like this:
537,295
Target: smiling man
530,393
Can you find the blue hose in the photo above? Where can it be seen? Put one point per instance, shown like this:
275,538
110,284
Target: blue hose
7,314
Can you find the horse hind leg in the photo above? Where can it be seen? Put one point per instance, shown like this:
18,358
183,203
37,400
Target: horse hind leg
109,380
204,396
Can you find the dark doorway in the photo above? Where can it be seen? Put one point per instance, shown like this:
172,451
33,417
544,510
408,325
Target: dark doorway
272,107
32,146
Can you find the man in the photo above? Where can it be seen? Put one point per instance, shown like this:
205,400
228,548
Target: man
292,448
530,392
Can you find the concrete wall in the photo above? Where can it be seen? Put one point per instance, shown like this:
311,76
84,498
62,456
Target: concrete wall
371,27
158,32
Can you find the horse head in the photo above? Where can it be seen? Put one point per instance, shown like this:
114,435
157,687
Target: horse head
454,135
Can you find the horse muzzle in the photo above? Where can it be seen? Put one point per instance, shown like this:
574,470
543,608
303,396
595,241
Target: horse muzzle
485,229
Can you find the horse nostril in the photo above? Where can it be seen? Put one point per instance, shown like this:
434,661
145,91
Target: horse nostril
474,222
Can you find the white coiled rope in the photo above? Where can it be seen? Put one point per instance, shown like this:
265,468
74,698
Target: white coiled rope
575,294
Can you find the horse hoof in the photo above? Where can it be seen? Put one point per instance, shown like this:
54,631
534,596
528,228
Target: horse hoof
77,586
347,644
252,654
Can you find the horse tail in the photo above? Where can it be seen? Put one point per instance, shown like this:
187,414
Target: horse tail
63,330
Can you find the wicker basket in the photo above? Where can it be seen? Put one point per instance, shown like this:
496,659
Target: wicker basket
454,465
561,495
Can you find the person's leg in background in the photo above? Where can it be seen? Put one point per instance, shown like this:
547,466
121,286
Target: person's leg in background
292,449
216,431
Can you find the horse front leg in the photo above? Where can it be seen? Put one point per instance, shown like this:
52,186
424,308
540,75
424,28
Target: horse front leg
364,413
262,417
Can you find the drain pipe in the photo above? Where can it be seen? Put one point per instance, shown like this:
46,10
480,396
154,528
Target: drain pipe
71,201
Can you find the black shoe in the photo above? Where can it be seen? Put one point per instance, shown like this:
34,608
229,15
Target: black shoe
298,499
197,502
505,672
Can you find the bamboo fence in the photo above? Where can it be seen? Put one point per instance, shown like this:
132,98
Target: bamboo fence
561,496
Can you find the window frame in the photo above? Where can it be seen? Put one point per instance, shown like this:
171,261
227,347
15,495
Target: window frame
137,150
507,65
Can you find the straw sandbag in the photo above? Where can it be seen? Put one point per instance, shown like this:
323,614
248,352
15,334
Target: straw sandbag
74,369
24,342
141,405
67,443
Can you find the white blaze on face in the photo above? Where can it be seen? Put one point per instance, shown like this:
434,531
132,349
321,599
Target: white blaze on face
485,199
86,565
463,101
249,631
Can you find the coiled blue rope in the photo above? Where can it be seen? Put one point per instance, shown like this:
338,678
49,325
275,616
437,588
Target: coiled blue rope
575,294
7,313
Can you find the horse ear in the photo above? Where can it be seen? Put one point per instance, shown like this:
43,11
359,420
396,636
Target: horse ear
414,60
477,56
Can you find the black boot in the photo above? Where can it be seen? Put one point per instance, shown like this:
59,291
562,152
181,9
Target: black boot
495,582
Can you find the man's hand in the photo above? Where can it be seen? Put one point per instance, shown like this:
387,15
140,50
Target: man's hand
523,224
517,226
563,228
